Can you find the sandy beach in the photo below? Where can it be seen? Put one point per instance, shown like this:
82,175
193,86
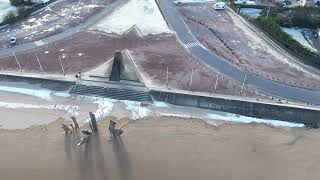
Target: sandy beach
19,111
160,141
62,50
162,148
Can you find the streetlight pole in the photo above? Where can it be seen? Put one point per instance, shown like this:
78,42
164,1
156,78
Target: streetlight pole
191,79
244,80
216,84
167,77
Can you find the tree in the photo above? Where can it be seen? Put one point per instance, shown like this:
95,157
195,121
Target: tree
9,18
28,3
22,12
273,28
16,2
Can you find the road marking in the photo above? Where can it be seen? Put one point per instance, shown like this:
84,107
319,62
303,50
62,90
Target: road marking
40,43
193,44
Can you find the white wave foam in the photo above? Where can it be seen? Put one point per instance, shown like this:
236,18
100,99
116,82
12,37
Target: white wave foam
137,111
73,110
105,106
244,119
40,93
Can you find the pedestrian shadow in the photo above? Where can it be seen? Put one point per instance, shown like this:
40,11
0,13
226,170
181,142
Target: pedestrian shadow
86,161
92,163
70,147
71,152
99,158
68,141
122,157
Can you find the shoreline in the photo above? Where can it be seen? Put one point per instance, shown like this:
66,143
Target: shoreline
43,108
188,147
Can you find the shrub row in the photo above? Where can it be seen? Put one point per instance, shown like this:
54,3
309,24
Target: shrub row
272,27
304,17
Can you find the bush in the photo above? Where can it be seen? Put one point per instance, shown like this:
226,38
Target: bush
9,18
28,3
23,12
304,17
16,2
272,27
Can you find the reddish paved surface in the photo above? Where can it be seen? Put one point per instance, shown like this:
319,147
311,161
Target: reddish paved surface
153,61
152,55
95,48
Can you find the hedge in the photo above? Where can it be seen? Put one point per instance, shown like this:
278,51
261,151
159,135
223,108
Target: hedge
304,17
272,27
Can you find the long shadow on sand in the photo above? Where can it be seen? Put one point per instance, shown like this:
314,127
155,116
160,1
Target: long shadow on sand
92,163
88,158
122,158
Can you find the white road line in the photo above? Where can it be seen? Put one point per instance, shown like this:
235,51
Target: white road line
39,43
192,44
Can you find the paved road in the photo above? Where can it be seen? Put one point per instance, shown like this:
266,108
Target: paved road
173,18
90,22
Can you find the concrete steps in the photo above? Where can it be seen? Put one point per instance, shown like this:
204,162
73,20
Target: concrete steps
112,93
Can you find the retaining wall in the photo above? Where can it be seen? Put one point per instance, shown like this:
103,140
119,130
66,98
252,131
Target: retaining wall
55,85
306,116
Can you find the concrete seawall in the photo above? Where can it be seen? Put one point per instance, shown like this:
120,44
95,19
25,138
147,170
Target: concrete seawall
246,107
307,116
55,85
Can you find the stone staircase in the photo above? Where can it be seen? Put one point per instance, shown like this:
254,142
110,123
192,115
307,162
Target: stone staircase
112,93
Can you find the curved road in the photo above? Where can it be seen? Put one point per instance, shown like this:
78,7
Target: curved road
174,19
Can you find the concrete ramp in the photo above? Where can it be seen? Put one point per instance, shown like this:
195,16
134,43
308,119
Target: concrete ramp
128,71
103,70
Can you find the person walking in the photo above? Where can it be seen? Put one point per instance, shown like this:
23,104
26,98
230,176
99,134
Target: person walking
112,126
79,76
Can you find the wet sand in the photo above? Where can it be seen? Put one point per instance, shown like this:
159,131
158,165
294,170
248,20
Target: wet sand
26,111
162,148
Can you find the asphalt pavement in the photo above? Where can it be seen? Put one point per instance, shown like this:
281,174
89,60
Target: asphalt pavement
186,37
